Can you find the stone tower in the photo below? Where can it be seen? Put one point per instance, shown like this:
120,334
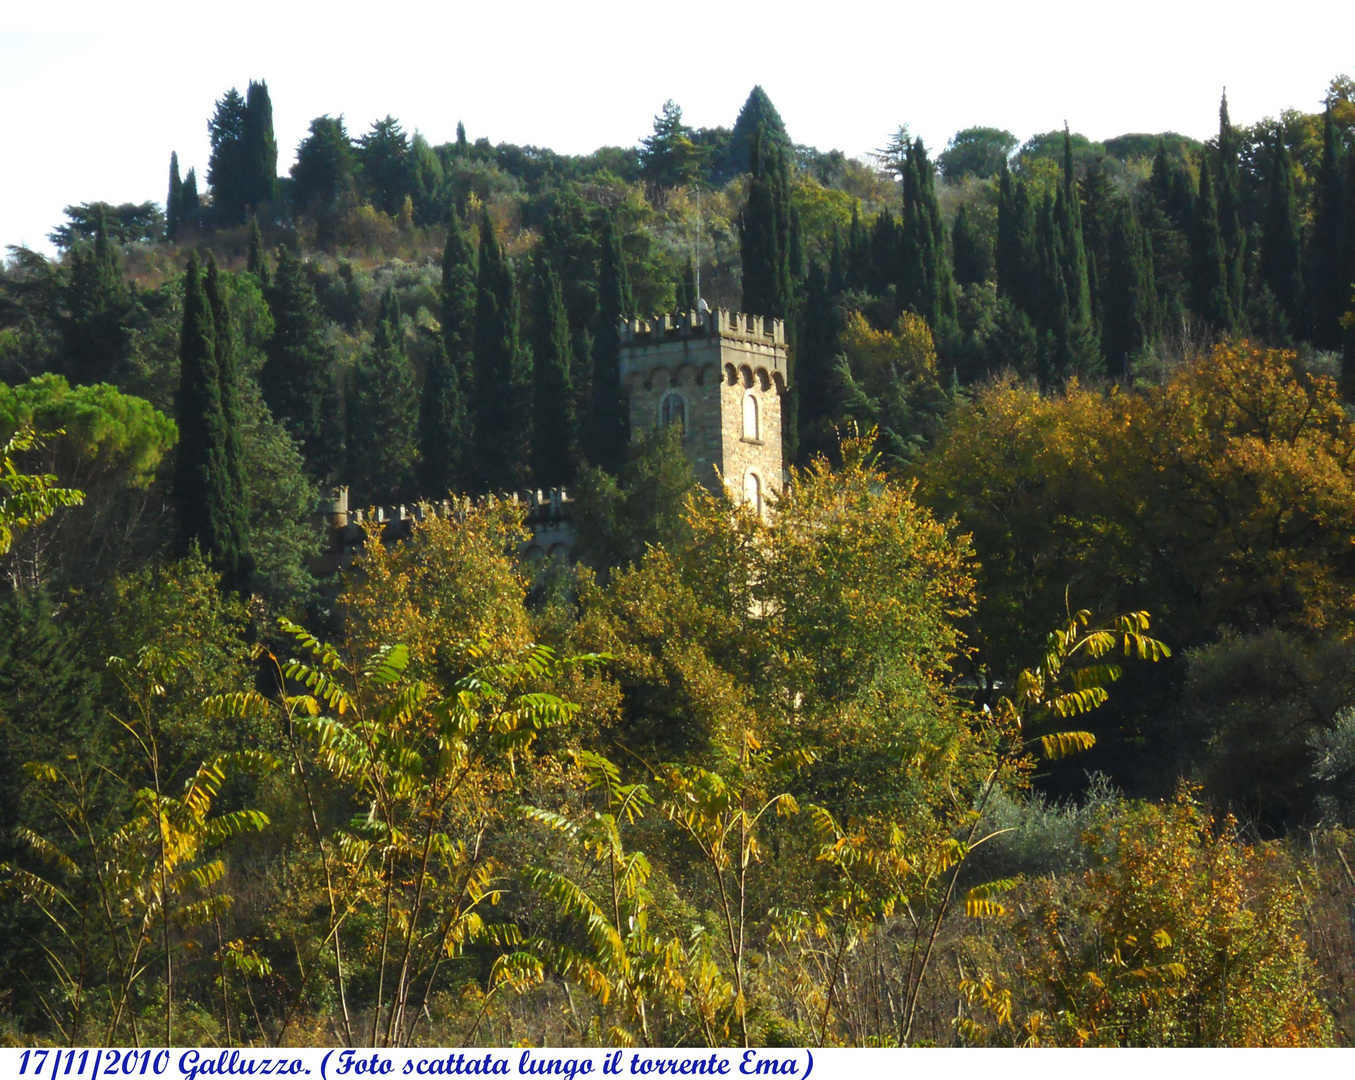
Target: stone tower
721,376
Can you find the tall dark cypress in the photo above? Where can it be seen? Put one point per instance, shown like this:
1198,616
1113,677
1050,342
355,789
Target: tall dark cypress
444,425
259,152
202,488
815,347
609,425
1017,276
1329,287
1129,297
554,435
232,530
764,231
257,260
1231,230
174,200
924,274
190,203
296,375
1209,281
1079,338
1280,257
501,396
973,257
382,413
1098,204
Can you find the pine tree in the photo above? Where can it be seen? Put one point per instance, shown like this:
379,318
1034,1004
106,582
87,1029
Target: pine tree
296,377
758,121
1231,230
1280,265
323,174
46,690
609,425
231,554
1128,293
554,434
226,166
444,427
1209,281
202,488
1329,285
973,257
174,200
500,392
381,414
94,331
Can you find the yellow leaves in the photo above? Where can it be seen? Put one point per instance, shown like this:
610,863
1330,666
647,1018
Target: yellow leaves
878,357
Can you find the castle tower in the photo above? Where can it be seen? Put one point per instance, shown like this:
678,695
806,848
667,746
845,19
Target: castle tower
721,376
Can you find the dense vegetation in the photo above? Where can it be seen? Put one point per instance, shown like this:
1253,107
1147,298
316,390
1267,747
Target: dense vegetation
1025,717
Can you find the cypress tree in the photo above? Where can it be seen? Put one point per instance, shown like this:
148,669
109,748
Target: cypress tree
1016,261
684,289
815,347
295,378
444,427
191,205
257,261
381,413
1280,265
856,263
1329,285
1128,292
232,530
174,200
554,435
1209,281
609,424
1082,350
1098,206
1232,233
501,398
1051,317
259,152
973,257
924,276
202,488
764,233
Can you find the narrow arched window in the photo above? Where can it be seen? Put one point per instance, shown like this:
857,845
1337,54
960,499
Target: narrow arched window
752,491
673,410
750,417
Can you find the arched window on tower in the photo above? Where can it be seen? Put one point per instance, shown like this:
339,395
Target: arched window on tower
750,416
673,410
752,492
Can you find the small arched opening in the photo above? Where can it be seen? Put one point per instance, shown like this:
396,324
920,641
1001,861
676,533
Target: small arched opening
752,420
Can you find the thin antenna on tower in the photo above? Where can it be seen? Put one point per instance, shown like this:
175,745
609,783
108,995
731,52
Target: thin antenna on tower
697,262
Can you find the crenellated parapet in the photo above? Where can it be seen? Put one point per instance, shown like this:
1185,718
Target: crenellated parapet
702,325
547,515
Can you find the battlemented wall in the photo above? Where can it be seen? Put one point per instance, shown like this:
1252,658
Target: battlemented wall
711,362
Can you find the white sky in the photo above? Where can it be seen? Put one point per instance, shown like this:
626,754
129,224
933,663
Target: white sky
94,114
